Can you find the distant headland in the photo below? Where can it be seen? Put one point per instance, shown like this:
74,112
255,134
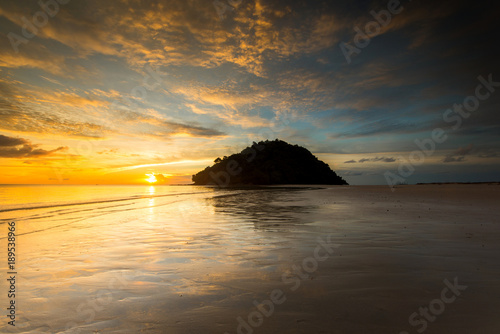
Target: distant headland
268,163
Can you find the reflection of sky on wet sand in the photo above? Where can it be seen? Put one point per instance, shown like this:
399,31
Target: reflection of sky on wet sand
268,209
178,254
194,263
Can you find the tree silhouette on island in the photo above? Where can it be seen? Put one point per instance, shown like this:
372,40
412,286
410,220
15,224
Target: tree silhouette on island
268,163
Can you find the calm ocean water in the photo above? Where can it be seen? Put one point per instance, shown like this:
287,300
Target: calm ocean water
45,196
40,207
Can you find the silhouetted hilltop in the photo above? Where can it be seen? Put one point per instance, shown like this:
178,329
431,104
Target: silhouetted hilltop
269,162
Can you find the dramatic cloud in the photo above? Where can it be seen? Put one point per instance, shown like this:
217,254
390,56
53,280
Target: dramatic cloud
26,120
130,74
155,126
11,141
8,148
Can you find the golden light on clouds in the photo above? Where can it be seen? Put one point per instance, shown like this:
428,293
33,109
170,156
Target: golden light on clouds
109,91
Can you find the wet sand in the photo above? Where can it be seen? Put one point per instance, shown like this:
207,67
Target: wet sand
353,259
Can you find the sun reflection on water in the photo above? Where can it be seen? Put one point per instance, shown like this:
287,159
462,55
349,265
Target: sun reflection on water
151,202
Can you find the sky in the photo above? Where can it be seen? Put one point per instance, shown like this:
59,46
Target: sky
112,92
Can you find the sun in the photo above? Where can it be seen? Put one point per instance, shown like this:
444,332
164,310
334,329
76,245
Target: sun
152,178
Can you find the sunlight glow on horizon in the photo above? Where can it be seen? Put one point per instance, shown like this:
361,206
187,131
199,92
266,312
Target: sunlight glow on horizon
152,178
121,169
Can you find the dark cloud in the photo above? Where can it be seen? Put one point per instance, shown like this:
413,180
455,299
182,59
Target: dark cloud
489,153
11,147
464,150
28,151
11,141
453,159
162,128
197,131
370,128
460,154
376,159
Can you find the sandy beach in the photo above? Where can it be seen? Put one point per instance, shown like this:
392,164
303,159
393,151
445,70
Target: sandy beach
340,259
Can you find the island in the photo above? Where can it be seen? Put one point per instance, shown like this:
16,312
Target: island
268,163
